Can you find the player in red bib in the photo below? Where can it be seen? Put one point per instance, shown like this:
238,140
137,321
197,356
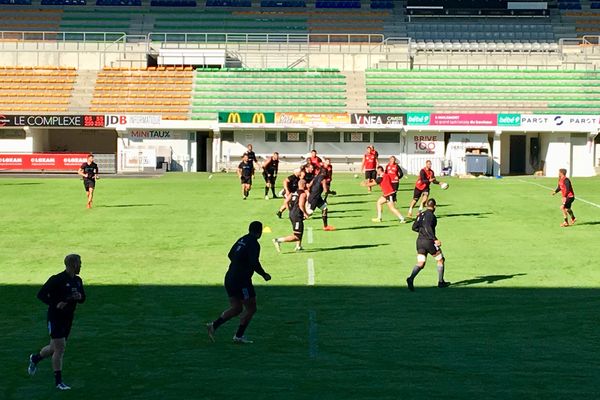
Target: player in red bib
315,161
568,196
394,171
369,166
421,192
388,195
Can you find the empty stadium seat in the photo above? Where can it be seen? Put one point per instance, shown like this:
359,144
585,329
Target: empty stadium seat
127,3
36,88
142,90
267,90
229,3
63,2
481,90
283,3
337,4
173,3
16,2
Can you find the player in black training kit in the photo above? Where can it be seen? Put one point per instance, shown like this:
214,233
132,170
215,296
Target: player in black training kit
246,172
290,185
315,199
296,203
89,172
244,257
251,156
427,243
61,293
270,169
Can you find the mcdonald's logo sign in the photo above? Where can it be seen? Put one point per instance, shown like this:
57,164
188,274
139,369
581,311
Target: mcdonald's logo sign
234,118
259,118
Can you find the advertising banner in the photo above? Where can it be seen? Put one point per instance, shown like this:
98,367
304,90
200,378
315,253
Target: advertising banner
123,121
141,134
509,119
49,121
42,161
464,119
311,118
80,121
246,117
426,143
378,119
417,118
559,122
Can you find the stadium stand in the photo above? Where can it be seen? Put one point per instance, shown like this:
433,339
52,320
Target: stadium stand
560,91
155,90
472,20
36,89
276,89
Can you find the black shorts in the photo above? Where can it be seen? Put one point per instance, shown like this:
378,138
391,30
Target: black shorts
425,247
269,177
317,202
89,183
417,193
246,180
59,328
568,202
371,175
391,198
298,227
239,290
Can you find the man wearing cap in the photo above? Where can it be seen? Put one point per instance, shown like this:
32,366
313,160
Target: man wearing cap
244,262
62,293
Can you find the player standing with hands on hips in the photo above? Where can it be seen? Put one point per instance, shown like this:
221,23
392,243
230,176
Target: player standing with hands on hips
62,293
244,257
427,243
89,172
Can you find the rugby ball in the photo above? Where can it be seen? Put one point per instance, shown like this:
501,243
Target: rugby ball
444,185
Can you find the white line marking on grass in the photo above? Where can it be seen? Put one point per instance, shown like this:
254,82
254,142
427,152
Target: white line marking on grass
311,271
310,235
313,343
551,188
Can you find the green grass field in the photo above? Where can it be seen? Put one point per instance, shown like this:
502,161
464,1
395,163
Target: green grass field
521,320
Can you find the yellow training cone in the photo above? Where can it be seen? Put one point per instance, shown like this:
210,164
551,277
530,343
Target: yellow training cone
266,229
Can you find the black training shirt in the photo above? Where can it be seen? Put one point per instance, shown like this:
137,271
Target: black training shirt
244,256
427,225
61,287
251,156
89,169
272,166
247,168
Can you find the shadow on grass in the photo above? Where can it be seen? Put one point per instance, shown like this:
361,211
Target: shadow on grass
587,223
21,184
128,205
339,203
489,279
349,247
471,214
346,211
311,338
357,228
347,195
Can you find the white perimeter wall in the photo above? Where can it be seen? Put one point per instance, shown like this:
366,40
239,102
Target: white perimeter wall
180,147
